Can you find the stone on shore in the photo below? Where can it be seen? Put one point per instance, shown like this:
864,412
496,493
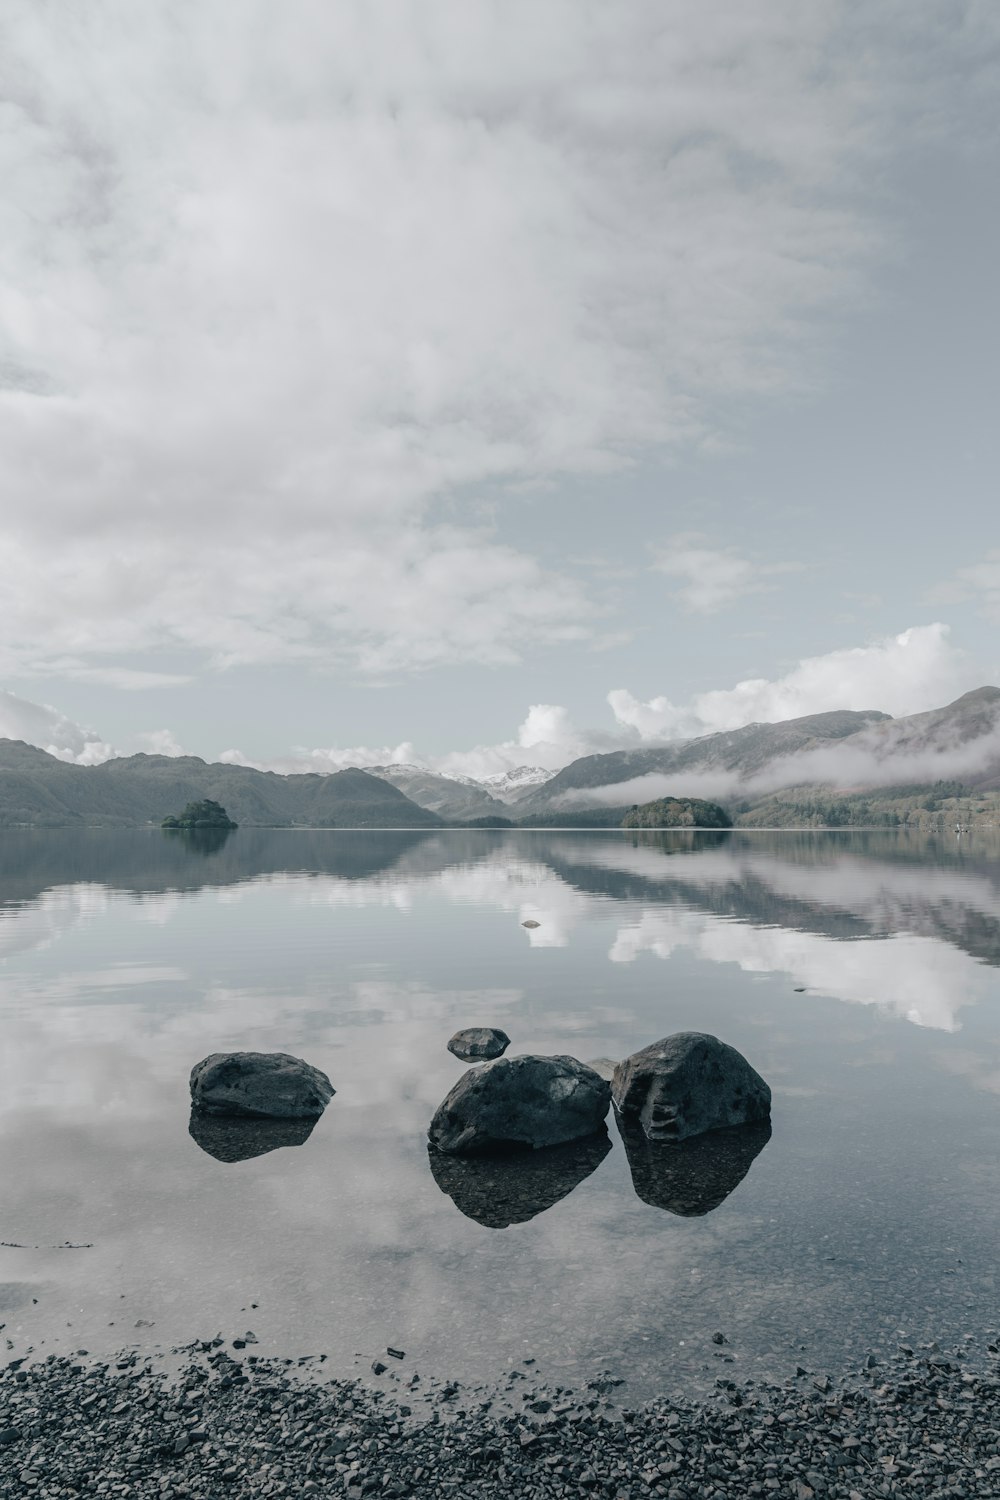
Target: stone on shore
479,1043
264,1085
520,1102
687,1084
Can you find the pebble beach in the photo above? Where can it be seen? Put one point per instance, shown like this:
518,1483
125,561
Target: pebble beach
227,1422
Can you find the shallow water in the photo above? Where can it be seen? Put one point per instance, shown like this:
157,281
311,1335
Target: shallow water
858,972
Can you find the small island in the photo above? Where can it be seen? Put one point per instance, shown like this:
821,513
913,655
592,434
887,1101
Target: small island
677,812
207,814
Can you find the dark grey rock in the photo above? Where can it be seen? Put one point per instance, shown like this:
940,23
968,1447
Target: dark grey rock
694,1177
514,1187
687,1084
268,1085
520,1101
477,1043
240,1137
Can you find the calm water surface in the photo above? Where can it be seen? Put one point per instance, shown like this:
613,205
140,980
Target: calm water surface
858,972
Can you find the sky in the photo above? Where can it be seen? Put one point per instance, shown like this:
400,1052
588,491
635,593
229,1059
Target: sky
482,384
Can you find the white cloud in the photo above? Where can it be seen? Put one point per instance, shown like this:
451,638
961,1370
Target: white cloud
273,279
160,742
331,758
709,579
39,724
903,674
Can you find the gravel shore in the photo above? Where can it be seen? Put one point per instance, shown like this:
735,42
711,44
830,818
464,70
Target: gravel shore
232,1424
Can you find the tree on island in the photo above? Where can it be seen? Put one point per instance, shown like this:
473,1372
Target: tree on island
677,812
207,814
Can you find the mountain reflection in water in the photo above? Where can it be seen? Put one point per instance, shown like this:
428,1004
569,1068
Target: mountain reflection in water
859,971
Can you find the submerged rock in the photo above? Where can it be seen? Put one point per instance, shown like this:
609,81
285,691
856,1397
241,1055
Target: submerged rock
512,1188
240,1137
687,1084
521,1101
268,1085
478,1042
692,1178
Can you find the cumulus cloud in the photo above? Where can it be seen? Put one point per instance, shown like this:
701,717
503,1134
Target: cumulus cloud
708,579
276,279
547,738
901,674
44,726
330,758
160,742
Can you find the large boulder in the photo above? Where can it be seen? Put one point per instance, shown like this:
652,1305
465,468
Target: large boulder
692,1178
687,1084
512,1188
264,1085
477,1043
520,1102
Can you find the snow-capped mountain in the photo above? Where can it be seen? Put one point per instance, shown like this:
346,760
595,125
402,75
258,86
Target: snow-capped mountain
510,786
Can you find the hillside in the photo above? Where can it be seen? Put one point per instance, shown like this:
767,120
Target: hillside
766,771
456,800
38,790
742,753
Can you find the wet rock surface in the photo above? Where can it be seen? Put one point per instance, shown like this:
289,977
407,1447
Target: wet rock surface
687,1084
695,1176
521,1101
240,1137
476,1043
243,1426
268,1085
511,1189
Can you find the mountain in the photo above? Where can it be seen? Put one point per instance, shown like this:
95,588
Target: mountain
960,741
730,756
456,798
840,767
41,791
511,786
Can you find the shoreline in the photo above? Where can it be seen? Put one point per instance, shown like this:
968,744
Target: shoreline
233,1423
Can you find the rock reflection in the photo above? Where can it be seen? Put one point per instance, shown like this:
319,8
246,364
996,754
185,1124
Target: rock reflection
516,1186
693,1177
236,1138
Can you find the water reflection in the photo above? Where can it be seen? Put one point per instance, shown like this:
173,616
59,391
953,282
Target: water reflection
203,841
232,1138
516,1186
693,1177
123,955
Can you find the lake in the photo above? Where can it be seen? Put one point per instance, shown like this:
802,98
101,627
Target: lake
859,973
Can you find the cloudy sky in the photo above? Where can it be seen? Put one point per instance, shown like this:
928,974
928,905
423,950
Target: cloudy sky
482,381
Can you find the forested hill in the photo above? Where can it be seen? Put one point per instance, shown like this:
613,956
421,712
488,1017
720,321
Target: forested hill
38,790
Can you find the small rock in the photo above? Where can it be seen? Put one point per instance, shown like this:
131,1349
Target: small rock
378,1368
531,923
479,1043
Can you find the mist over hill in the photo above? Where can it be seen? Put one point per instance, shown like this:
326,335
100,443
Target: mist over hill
845,751
841,767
